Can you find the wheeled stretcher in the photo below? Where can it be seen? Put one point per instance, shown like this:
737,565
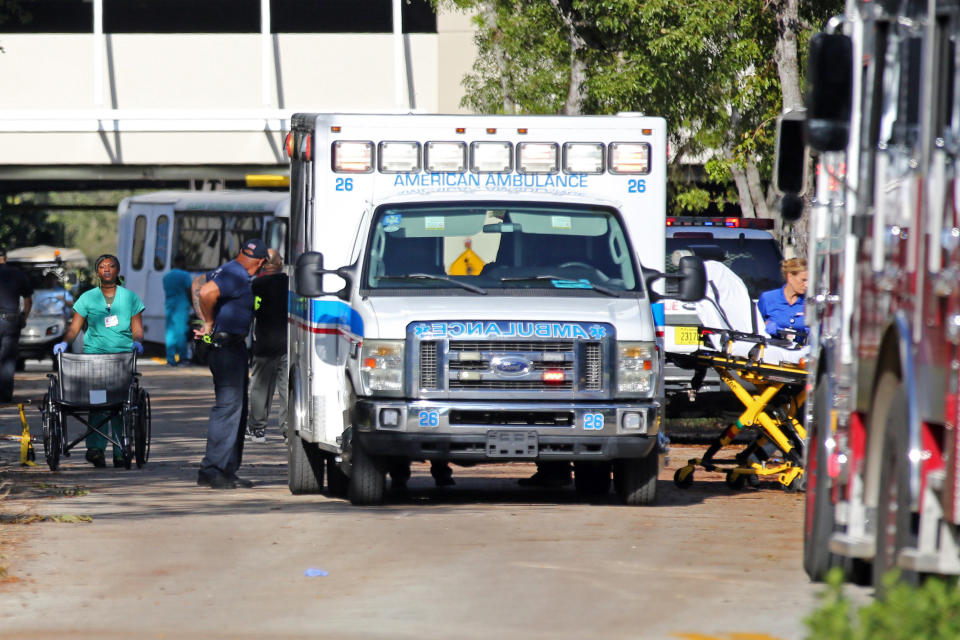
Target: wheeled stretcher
771,391
766,374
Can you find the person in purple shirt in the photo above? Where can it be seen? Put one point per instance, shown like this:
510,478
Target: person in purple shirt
783,309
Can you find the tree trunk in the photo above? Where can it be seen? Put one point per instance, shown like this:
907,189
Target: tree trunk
785,53
756,190
743,189
578,72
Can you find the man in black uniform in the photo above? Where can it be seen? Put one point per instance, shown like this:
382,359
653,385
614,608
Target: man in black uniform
226,305
14,285
268,372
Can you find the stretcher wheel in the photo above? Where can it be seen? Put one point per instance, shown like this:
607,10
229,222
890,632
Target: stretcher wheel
682,481
736,481
797,484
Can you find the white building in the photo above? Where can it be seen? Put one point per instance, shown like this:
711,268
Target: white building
133,91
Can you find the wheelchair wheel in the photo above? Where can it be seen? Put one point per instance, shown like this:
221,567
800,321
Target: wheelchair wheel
129,418
141,429
52,431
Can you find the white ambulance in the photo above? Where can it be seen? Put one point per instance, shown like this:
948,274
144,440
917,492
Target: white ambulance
475,289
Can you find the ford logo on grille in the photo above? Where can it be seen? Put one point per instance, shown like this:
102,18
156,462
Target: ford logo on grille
511,365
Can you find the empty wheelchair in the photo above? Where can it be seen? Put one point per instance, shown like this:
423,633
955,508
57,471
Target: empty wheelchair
94,389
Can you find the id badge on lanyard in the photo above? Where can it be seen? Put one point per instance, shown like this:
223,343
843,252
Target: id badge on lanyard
111,321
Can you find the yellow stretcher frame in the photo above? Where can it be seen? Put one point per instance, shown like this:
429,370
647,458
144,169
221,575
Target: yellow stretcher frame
778,424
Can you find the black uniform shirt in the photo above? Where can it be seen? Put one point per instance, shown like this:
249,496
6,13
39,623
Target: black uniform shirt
270,315
14,284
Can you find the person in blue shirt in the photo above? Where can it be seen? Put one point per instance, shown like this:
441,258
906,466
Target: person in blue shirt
176,291
226,307
782,309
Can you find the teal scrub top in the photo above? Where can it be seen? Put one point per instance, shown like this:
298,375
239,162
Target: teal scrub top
100,338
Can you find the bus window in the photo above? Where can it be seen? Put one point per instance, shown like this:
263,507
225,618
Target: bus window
277,236
238,229
198,240
139,239
160,244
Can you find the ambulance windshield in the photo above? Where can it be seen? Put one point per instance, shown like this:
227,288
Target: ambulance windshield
500,247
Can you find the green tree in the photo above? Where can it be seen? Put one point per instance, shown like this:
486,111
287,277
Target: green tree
719,73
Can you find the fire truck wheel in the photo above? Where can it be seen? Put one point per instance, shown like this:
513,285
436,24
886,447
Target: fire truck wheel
894,517
818,521
367,477
636,479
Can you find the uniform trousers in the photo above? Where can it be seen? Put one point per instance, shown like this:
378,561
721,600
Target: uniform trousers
268,374
9,338
228,416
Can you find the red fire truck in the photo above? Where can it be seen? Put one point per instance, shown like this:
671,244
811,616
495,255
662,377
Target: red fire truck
883,120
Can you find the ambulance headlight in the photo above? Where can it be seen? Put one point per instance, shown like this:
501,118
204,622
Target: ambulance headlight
636,368
352,157
583,157
445,157
491,157
381,366
537,157
629,157
399,157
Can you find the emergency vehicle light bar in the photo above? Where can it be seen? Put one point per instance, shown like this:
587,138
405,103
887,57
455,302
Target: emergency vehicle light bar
629,157
445,157
538,157
399,157
491,157
583,157
352,156
734,223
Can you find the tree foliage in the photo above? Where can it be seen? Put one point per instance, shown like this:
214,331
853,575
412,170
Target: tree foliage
710,68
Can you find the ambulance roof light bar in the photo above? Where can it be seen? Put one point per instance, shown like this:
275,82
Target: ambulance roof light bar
491,157
350,156
583,157
399,157
445,157
731,223
629,157
538,157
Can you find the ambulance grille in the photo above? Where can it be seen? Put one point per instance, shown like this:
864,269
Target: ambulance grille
428,365
592,367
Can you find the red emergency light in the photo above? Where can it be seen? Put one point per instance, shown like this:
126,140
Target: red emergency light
731,223
288,144
554,376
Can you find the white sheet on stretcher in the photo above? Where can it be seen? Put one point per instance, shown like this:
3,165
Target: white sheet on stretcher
727,292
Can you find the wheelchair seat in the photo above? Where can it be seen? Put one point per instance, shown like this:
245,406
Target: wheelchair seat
96,381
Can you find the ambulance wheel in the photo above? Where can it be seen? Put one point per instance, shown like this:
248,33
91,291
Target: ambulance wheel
337,481
592,478
637,479
304,464
895,530
368,478
736,481
682,482
818,520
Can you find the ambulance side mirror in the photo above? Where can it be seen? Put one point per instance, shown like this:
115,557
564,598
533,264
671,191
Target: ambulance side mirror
691,281
308,277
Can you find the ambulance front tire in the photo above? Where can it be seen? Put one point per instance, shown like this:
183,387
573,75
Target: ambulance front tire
367,477
636,479
304,465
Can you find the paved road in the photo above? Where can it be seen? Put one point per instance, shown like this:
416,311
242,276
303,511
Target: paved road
163,558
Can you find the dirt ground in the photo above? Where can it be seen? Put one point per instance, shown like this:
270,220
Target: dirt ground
107,552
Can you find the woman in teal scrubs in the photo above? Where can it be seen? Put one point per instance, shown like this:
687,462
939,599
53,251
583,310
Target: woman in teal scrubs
114,325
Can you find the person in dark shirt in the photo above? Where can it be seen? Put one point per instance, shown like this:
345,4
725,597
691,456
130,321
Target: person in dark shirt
268,371
226,305
14,285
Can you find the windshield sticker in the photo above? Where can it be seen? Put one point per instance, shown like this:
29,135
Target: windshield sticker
582,283
509,330
391,222
561,222
434,223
